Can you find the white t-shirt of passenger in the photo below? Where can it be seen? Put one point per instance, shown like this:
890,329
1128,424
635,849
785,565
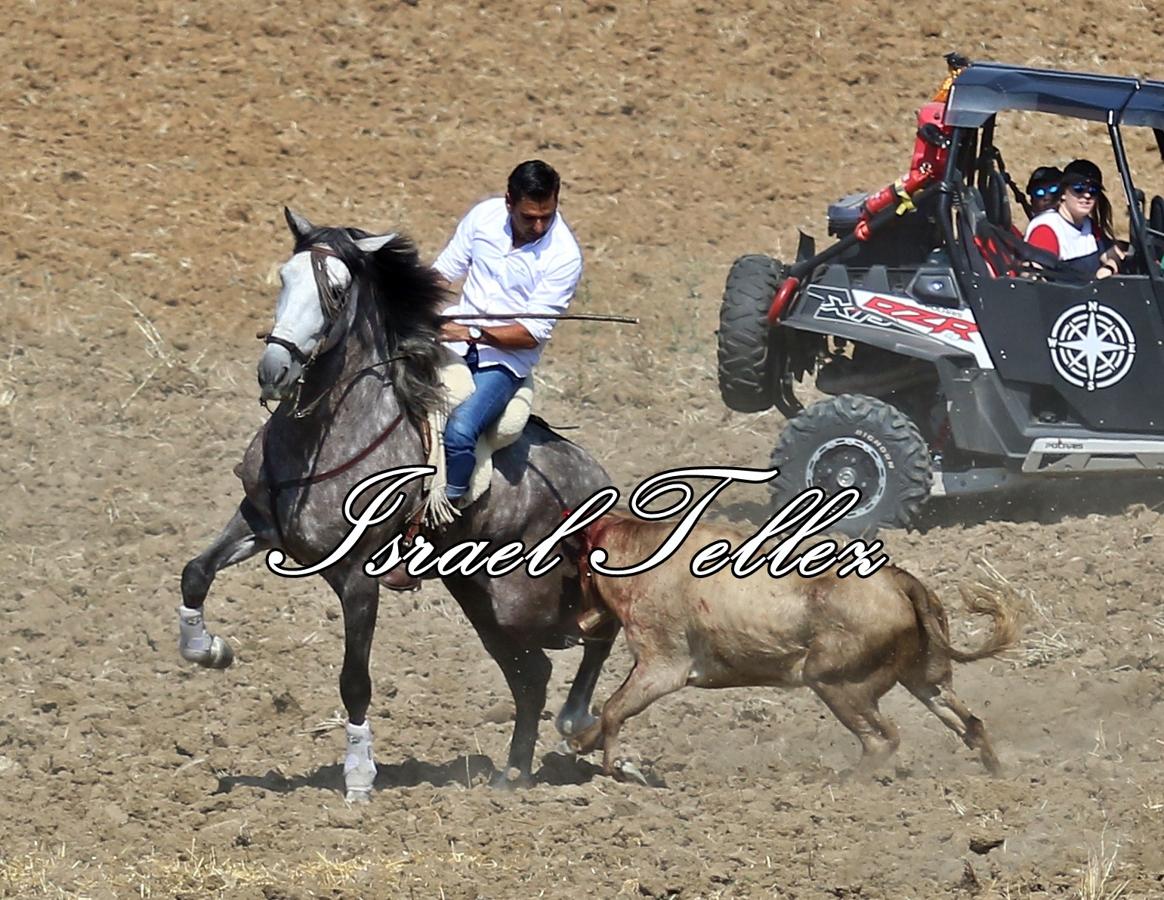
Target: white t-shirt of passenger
539,277
1050,231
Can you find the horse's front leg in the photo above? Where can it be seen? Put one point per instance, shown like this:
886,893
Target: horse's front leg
238,541
360,598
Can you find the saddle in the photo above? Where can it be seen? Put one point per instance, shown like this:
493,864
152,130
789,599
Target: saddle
457,380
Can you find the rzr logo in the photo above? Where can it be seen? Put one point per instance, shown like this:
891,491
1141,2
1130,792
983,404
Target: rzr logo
838,306
934,323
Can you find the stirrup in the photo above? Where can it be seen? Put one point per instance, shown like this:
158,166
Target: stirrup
592,619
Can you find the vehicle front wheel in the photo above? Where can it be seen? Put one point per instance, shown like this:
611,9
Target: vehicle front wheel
859,442
742,340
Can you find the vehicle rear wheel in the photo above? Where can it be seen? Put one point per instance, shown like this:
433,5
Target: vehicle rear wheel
856,441
742,340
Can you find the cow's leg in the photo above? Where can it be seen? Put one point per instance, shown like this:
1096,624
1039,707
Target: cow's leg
645,684
855,705
575,716
591,737
941,700
237,542
360,599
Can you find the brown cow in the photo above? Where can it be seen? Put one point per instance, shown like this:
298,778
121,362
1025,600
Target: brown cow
848,639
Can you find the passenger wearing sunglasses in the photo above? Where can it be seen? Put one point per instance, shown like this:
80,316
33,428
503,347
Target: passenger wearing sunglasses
1085,170
1073,229
1043,189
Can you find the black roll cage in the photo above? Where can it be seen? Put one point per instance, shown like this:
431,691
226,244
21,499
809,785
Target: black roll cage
970,160
983,90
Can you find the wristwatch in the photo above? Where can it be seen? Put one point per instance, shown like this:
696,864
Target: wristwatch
474,334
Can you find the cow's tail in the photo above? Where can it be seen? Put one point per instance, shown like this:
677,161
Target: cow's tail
996,601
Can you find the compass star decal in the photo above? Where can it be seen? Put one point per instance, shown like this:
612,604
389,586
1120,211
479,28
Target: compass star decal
1092,346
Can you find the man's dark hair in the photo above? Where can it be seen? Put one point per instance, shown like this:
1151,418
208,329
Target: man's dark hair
534,179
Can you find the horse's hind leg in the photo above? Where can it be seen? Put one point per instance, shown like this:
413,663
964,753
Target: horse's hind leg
527,672
575,716
236,542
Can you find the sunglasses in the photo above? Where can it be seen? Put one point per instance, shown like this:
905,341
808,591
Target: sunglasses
1049,191
1086,188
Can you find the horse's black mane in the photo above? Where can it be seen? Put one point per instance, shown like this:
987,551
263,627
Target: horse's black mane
410,296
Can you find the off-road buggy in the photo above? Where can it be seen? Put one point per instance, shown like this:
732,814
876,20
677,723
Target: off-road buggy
958,358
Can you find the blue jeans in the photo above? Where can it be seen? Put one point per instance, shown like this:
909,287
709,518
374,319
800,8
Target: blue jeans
495,387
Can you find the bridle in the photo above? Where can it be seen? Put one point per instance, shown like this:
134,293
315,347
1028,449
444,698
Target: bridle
335,304
338,307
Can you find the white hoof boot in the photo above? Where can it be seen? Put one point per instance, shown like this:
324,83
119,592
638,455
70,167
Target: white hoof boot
359,768
197,645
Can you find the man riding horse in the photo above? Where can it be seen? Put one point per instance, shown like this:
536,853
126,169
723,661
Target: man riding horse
515,255
354,360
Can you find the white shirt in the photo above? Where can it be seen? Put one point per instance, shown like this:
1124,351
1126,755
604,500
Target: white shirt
1050,231
539,277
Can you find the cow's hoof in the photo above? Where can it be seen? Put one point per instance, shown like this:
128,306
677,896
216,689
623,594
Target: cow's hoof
511,779
358,796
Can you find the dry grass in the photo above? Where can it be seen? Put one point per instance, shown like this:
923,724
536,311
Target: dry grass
45,873
1097,881
1047,638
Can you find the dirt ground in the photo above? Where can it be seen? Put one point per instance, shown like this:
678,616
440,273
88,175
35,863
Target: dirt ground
148,150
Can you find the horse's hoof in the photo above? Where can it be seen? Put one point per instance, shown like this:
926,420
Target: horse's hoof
570,726
358,796
511,779
628,771
218,656
221,655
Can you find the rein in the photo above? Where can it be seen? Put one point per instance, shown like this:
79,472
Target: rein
316,477
273,487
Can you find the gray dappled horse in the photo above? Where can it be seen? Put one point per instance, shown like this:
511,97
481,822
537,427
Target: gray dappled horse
353,359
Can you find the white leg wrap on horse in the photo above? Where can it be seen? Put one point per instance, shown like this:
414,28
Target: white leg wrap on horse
197,645
359,768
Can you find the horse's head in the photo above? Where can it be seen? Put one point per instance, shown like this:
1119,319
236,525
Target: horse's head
316,303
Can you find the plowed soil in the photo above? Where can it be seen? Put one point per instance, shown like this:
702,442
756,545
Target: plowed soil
148,151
